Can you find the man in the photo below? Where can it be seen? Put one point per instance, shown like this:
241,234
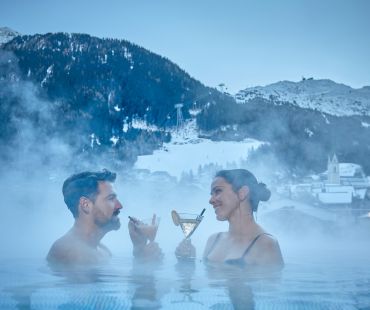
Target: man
94,205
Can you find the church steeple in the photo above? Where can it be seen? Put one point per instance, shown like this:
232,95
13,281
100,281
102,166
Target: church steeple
333,170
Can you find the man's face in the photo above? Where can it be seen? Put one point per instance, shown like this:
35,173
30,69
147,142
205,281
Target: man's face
106,207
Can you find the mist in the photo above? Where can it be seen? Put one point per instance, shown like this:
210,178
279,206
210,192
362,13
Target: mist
36,161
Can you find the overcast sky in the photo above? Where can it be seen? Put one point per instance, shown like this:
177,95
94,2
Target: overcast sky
240,43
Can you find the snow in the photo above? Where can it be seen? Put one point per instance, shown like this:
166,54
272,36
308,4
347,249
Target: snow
49,73
94,140
326,119
187,153
141,124
349,169
309,132
114,140
323,95
7,34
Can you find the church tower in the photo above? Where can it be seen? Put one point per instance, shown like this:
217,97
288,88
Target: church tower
333,170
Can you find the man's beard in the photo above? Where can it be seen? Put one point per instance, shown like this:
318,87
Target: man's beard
112,224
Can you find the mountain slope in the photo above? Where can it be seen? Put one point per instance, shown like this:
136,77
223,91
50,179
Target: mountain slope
7,34
111,97
97,90
321,95
300,138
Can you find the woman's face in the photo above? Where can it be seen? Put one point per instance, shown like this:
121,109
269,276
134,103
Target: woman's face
223,199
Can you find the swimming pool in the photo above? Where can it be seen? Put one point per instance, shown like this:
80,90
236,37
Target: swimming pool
309,281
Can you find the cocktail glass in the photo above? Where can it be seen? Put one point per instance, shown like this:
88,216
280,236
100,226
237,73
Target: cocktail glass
147,227
189,223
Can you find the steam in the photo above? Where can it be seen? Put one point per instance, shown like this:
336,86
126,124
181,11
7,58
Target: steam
35,161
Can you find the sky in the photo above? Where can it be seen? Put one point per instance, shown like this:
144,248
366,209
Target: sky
240,43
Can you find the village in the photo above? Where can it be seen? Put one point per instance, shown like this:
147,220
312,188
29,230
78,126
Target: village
342,188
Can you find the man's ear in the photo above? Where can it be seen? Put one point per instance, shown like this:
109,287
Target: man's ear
85,205
243,192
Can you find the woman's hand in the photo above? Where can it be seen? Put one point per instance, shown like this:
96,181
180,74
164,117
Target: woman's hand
185,250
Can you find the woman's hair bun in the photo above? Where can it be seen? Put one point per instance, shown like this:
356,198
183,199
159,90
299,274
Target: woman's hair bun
262,192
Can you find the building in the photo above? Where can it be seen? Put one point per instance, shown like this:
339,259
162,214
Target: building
340,184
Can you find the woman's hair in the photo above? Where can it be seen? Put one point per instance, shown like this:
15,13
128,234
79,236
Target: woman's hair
238,178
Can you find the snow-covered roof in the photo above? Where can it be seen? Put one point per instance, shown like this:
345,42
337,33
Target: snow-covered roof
347,170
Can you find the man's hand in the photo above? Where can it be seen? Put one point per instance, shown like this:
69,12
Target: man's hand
148,252
137,237
142,237
141,232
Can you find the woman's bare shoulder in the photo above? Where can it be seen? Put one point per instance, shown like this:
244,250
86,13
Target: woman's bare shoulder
268,240
210,242
269,250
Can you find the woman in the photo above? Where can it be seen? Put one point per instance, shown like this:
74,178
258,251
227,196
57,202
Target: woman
235,195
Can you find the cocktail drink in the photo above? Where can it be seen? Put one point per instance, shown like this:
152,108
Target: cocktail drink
147,227
187,221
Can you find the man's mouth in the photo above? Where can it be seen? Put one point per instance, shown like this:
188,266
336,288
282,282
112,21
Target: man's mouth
115,213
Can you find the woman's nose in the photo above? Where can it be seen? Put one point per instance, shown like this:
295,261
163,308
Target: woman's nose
211,200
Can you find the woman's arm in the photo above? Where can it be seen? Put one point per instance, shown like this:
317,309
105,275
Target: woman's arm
269,253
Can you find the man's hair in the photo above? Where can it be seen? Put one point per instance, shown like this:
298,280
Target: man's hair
84,184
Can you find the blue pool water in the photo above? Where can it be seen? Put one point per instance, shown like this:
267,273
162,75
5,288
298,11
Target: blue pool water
333,280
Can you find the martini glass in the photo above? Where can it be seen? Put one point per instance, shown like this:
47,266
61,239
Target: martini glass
188,223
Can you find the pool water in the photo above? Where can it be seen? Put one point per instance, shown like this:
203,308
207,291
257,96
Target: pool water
333,280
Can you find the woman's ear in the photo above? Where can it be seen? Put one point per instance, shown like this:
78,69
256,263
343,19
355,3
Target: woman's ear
243,192
84,205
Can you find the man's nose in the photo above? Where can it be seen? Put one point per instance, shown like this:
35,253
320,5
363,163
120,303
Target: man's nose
118,205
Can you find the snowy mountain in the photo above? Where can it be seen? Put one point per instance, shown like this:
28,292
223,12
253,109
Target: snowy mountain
111,98
321,95
7,34
188,153
98,90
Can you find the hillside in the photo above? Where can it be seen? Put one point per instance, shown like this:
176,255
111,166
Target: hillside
97,90
89,97
322,95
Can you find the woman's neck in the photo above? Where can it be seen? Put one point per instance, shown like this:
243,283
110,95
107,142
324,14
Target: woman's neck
241,221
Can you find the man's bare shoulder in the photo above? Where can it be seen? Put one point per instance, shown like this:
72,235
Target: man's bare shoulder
64,250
